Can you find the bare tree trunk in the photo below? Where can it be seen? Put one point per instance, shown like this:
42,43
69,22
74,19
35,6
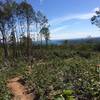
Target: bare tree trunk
37,37
41,38
17,43
21,33
28,37
46,42
14,43
4,44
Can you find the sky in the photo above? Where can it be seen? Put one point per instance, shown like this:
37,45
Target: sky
69,19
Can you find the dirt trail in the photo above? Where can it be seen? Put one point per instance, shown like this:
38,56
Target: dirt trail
18,90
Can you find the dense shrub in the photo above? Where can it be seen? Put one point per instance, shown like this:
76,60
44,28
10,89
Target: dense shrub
55,73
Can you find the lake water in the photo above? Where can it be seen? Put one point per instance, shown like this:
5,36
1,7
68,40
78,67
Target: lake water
73,41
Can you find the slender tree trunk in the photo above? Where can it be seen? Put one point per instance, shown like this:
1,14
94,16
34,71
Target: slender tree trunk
37,33
17,44
21,33
14,46
41,38
28,37
46,42
13,42
4,44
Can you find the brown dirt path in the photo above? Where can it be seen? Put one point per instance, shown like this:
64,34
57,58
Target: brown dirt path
18,90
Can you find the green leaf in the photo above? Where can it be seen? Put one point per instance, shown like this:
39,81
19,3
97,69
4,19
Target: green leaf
68,92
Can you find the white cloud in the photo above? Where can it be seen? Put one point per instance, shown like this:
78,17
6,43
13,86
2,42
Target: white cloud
62,19
96,9
55,30
63,33
72,35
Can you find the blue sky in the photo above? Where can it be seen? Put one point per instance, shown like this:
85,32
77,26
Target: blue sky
69,18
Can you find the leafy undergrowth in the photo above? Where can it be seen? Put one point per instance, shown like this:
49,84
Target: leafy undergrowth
63,76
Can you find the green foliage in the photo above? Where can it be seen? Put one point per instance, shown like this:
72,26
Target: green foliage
59,98
67,92
45,32
56,74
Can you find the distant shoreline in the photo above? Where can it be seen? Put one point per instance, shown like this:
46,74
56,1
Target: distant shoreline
71,41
